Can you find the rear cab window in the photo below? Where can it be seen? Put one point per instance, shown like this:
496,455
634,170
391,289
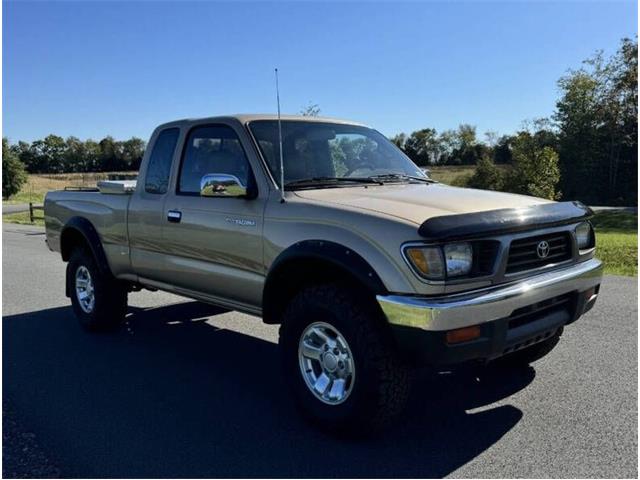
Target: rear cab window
159,168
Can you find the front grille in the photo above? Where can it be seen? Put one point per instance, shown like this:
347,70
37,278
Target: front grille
523,253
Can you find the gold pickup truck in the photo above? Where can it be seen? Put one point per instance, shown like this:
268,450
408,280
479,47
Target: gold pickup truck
326,228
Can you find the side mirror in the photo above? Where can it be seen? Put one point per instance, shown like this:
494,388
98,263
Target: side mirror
222,185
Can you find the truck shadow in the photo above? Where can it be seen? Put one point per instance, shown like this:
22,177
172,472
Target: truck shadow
179,397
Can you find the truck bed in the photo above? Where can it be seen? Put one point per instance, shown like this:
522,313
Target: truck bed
108,213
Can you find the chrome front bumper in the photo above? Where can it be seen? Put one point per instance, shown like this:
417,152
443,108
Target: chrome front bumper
462,310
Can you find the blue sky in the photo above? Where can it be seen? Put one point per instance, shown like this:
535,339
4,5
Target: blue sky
92,69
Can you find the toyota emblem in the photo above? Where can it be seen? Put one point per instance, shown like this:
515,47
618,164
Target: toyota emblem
543,249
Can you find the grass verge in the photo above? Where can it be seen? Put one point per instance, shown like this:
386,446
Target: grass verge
617,242
22,218
457,176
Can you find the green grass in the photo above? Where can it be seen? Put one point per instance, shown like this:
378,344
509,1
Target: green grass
617,242
456,176
23,218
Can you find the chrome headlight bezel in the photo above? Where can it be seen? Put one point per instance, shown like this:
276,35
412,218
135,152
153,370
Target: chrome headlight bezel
439,262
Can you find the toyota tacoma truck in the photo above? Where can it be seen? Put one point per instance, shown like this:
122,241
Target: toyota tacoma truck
326,228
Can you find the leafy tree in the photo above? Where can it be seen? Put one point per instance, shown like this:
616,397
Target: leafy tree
75,156
110,155
311,110
502,150
92,151
491,138
132,152
467,136
535,168
472,155
597,117
13,172
449,142
423,147
26,155
53,148
461,146
487,176
399,140
54,154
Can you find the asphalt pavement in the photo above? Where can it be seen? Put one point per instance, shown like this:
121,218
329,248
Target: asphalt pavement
188,390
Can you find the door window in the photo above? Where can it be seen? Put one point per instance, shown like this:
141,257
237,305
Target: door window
212,149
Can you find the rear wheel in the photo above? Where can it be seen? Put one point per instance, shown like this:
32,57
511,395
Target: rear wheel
99,301
340,362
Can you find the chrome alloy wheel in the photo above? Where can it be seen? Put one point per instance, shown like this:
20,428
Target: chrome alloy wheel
326,363
84,289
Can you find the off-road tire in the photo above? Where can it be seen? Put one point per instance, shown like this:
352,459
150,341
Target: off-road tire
381,384
110,294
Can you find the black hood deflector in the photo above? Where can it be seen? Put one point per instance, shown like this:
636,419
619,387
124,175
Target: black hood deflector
505,220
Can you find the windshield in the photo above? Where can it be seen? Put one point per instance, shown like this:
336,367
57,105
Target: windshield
320,151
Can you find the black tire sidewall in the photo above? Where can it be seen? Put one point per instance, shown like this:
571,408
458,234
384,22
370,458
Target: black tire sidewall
110,298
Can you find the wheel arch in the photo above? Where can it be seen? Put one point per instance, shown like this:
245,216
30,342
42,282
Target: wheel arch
78,231
311,262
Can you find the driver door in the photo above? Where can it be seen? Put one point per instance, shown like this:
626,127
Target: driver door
214,244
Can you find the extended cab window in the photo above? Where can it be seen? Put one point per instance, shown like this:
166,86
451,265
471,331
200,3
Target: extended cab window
160,161
211,150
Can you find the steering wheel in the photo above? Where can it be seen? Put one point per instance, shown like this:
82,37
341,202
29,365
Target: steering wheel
360,166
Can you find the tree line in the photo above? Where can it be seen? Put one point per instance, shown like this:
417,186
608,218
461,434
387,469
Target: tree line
55,154
587,150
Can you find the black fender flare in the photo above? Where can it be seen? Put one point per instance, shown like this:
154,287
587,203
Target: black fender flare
83,227
330,253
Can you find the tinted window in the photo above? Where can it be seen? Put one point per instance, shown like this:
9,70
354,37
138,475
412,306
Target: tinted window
160,161
212,149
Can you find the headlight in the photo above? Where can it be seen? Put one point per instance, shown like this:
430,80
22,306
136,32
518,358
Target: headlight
458,257
584,235
455,259
428,261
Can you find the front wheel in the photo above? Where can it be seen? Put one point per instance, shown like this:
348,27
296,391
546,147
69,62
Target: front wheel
340,362
99,301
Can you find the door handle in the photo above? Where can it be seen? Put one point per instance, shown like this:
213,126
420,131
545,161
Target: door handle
174,216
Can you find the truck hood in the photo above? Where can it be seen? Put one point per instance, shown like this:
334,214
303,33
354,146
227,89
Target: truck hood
419,202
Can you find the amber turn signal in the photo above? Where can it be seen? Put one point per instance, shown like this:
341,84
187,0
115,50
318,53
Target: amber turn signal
463,334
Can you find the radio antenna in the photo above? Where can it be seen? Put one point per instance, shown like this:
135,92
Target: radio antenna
280,141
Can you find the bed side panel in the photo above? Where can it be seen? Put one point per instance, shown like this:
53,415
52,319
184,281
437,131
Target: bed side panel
107,213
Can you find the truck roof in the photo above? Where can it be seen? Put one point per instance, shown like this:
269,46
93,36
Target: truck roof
249,117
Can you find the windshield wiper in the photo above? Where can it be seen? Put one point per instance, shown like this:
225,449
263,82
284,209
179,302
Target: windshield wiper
313,181
402,176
